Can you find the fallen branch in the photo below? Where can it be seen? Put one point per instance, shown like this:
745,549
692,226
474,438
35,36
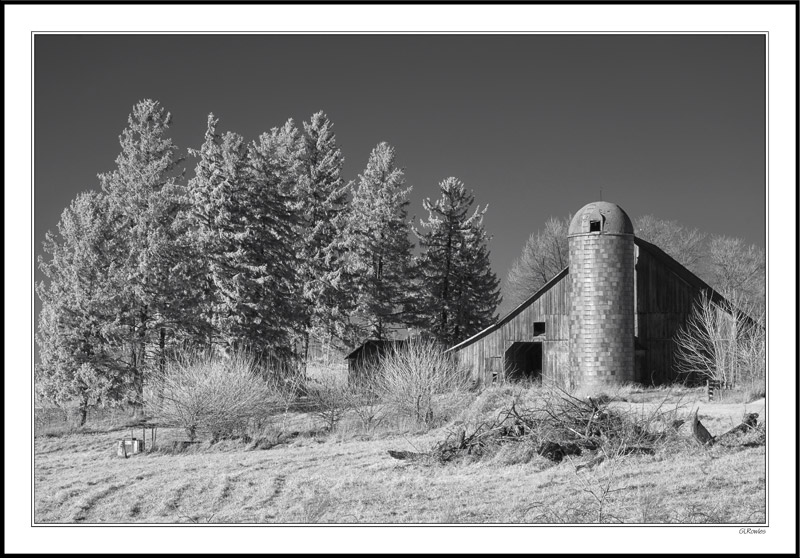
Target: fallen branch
406,455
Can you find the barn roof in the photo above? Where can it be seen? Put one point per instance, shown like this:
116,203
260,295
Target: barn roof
676,267
374,344
690,278
652,249
515,312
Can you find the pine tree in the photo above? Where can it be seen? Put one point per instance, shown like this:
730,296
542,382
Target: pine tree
257,266
380,251
78,329
321,203
214,222
145,200
460,292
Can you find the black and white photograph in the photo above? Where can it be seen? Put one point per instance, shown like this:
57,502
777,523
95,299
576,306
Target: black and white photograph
449,276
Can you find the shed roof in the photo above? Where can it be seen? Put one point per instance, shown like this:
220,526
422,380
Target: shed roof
374,344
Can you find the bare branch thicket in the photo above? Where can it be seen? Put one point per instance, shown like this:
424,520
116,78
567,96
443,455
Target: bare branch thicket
751,344
285,387
200,391
599,486
363,395
738,270
724,344
411,377
328,394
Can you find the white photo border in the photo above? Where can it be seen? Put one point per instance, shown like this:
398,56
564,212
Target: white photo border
776,20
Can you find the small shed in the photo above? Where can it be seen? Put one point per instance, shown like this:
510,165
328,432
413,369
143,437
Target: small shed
367,355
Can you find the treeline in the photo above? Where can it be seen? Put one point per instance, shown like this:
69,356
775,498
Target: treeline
265,246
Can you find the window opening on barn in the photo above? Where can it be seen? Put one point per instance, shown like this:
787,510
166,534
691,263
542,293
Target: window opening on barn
538,328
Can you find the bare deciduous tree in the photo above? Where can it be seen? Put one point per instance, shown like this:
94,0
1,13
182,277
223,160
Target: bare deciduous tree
685,244
544,255
738,269
722,342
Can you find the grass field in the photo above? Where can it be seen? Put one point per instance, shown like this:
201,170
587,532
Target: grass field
348,477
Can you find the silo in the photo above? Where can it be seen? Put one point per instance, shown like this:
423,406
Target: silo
601,280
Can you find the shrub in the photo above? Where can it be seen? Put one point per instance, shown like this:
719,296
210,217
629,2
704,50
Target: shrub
363,397
203,391
412,375
328,394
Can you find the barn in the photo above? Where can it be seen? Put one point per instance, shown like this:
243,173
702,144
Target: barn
608,318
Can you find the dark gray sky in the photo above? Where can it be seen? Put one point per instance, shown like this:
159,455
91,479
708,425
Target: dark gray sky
536,125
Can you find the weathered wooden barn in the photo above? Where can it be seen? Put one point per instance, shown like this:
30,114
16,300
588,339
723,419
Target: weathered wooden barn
607,318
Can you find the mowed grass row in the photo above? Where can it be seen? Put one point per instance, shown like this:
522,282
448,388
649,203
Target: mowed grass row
333,479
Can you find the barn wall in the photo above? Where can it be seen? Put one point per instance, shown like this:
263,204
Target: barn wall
663,303
485,356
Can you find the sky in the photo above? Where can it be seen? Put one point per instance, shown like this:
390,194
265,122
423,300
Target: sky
535,125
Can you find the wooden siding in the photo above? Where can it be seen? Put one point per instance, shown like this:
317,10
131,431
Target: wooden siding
485,355
664,299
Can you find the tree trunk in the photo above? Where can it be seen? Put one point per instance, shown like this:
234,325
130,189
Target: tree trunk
138,378
446,287
162,363
134,363
306,344
84,410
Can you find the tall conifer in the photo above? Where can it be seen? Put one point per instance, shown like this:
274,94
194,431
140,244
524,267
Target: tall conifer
321,203
79,328
145,199
380,256
460,292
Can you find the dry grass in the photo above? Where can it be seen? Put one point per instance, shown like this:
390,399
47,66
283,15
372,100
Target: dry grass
313,478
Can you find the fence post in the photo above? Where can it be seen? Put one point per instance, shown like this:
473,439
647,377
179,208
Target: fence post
711,387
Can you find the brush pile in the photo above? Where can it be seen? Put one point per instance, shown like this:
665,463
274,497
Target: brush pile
557,425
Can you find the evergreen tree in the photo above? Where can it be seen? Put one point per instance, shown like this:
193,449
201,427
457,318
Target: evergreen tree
78,329
460,292
380,259
321,203
145,200
214,223
257,269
